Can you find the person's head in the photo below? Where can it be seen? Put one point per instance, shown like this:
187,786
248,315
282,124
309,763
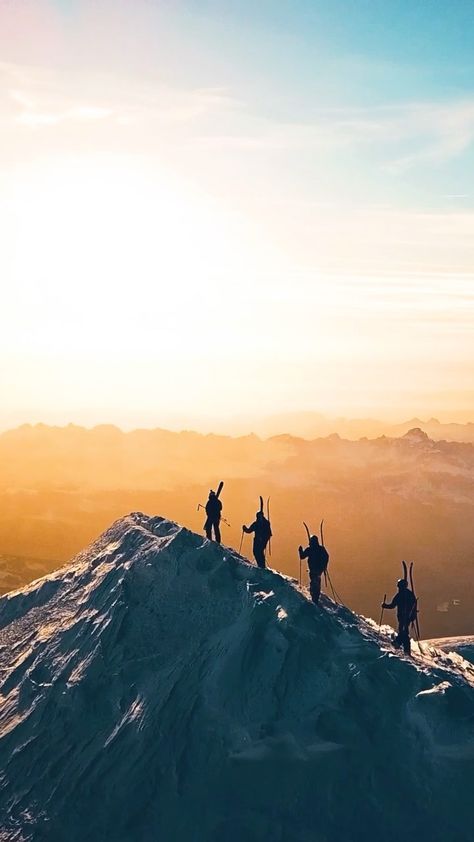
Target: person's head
314,541
259,514
212,493
402,584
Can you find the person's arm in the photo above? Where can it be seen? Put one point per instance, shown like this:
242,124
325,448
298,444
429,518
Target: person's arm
303,553
391,604
249,529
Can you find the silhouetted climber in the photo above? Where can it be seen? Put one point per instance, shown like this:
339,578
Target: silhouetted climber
405,603
317,562
213,512
262,534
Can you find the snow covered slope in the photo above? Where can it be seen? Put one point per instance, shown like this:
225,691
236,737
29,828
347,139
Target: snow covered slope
463,645
161,688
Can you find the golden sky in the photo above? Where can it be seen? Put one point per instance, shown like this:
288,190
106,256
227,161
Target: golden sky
206,215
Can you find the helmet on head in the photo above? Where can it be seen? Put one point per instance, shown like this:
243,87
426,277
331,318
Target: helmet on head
402,583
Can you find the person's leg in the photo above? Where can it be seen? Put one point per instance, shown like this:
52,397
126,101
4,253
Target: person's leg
405,638
208,529
217,532
315,589
259,554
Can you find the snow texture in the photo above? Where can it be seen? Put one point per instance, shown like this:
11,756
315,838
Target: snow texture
162,688
463,645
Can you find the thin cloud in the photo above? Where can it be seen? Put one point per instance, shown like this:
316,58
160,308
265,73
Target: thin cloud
38,97
433,133
401,137
34,117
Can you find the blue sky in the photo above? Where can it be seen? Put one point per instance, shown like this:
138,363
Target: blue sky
292,60
298,63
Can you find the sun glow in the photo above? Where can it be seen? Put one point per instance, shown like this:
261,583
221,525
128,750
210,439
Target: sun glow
113,250
196,220
121,271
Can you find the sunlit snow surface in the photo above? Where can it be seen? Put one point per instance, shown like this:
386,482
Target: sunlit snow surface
463,646
162,688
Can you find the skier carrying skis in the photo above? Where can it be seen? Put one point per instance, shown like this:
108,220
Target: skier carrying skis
213,512
405,603
262,534
317,562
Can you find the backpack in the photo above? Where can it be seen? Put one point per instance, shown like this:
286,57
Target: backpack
318,560
263,531
213,507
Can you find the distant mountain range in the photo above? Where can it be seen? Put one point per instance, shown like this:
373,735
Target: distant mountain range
106,457
16,571
310,425
382,500
66,460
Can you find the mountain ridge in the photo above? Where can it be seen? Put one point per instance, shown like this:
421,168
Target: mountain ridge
160,684
351,429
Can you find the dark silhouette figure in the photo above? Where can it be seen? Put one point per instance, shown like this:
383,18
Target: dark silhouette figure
405,603
317,562
213,512
262,534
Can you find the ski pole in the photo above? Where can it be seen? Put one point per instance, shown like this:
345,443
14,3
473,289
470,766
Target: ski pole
223,519
336,597
241,542
268,518
309,541
381,613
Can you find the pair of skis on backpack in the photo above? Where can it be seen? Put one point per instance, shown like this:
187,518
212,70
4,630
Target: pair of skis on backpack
414,620
268,518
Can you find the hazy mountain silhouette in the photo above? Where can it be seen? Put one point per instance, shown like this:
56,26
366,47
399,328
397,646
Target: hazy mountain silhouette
15,571
312,425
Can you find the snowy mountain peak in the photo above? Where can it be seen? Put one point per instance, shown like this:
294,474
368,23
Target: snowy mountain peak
160,686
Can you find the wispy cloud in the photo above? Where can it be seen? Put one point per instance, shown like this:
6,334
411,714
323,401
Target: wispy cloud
439,132
433,132
35,97
401,137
